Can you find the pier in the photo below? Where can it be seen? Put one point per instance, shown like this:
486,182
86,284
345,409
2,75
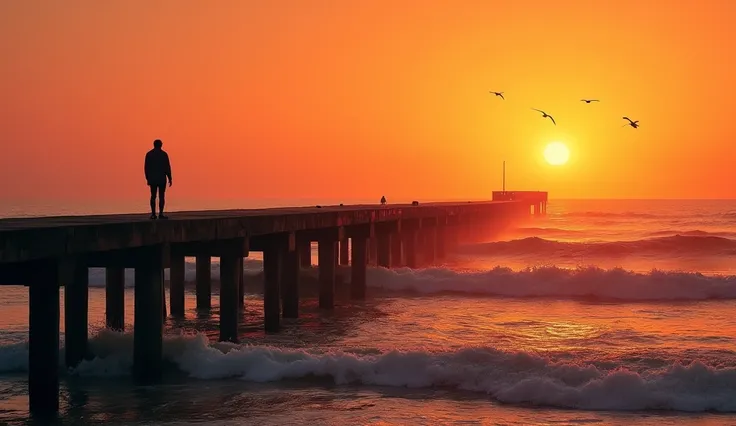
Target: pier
48,253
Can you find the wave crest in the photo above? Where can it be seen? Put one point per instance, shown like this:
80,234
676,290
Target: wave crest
511,377
550,281
695,245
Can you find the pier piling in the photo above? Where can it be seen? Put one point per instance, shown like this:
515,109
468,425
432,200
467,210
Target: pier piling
229,294
76,302
290,284
148,321
43,339
115,298
344,250
204,282
326,247
176,284
272,255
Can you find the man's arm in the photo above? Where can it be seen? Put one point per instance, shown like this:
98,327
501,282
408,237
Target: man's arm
147,168
168,169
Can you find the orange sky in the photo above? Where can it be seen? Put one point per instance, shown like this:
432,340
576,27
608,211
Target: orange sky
356,99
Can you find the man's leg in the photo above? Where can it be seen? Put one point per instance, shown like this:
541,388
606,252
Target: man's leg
161,199
153,200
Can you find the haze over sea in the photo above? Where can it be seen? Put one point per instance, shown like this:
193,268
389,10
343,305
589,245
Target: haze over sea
604,312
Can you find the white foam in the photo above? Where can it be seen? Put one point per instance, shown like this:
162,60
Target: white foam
511,377
611,284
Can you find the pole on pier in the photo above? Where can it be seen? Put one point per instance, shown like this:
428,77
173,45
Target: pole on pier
43,339
76,303
204,282
290,284
229,295
176,284
272,257
148,321
115,298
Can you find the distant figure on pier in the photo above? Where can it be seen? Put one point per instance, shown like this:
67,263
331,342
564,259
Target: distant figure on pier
383,200
158,169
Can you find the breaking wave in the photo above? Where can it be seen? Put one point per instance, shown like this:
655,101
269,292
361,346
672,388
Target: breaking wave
550,281
511,377
693,245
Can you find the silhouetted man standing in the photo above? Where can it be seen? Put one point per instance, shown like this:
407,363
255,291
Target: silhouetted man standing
158,169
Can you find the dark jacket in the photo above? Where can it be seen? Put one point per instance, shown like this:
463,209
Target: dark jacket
157,167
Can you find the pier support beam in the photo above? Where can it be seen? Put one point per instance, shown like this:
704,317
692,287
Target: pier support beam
229,295
43,339
344,252
384,250
204,282
176,284
373,251
148,327
396,252
429,244
440,240
274,248
326,247
359,236
409,235
290,284
304,248
115,298
76,304
241,283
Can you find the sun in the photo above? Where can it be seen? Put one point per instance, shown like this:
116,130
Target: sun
556,153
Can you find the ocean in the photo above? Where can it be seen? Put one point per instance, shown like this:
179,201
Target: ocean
604,312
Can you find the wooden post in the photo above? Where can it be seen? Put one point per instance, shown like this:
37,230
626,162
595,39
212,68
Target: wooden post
290,284
396,258
304,247
43,339
241,284
326,254
229,294
76,302
204,282
176,285
358,268
344,250
384,250
410,247
148,322
115,298
271,277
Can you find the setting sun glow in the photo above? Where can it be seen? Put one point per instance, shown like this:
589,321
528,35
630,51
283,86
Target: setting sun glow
556,153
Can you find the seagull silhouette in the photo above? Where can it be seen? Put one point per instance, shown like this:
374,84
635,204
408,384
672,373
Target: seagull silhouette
545,115
587,101
631,123
497,94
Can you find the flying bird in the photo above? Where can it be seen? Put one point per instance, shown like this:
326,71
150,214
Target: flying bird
497,94
632,123
545,115
587,101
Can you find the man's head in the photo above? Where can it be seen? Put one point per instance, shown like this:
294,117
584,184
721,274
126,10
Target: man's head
157,144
